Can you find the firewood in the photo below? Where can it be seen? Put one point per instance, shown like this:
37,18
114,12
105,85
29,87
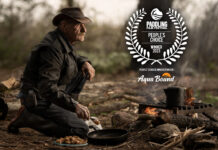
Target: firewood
175,141
185,121
212,114
146,117
200,140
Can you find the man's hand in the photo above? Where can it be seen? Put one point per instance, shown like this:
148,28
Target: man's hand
82,112
87,68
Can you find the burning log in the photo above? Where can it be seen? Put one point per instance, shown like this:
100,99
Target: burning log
146,117
212,114
185,121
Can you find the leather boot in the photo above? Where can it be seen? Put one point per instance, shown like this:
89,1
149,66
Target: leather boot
14,125
26,119
3,109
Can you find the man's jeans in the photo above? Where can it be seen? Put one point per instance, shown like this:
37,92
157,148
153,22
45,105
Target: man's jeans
68,121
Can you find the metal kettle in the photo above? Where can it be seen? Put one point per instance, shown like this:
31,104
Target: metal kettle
175,96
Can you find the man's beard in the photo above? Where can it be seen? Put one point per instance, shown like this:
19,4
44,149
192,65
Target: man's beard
81,36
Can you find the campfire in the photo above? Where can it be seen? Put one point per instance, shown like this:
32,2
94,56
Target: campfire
185,105
181,111
151,111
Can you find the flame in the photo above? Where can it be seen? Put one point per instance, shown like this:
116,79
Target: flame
189,97
151,111
189,101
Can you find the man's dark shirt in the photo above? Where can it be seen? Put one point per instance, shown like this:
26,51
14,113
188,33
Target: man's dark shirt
52,65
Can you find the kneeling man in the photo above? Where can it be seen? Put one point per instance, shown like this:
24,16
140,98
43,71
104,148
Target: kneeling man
53,78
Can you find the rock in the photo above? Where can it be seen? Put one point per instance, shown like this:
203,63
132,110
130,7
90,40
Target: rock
163,132
122,120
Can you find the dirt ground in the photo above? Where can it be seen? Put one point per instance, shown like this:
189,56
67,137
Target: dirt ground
104,96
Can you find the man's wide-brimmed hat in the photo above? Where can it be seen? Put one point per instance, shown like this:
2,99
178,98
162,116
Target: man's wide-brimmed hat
73,13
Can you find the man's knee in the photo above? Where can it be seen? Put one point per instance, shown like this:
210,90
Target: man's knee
84,128
82,132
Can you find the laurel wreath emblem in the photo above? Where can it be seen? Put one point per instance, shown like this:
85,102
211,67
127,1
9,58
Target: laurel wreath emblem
171,54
